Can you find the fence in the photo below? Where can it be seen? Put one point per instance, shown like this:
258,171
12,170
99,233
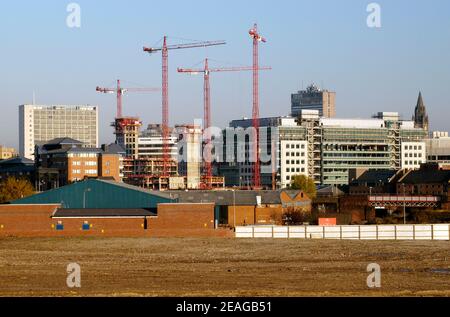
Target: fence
380,232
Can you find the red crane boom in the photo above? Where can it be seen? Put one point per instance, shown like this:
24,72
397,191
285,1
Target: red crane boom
165,89
207,105
120,92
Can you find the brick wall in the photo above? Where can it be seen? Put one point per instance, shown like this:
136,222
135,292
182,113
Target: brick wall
192,220
245,215
250,215
26,220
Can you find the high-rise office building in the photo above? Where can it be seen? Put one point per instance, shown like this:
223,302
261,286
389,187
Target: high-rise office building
314,98
326,149
40,124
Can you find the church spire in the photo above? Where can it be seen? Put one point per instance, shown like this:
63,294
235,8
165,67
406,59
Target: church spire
420,117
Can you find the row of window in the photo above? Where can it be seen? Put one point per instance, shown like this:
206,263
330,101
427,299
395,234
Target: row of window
83,155
88,172
415,155
415,147
302,154
412,163
298,162
90,163
295,170
295,146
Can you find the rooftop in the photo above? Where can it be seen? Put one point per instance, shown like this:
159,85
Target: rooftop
103,213
16,161
426,176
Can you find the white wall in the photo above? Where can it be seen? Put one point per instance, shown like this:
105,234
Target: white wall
413,154
381,232
296,153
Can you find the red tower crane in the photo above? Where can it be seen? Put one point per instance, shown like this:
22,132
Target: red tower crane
207,105
165,89
256,39
120,92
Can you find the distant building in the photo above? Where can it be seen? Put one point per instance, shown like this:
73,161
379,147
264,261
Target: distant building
40,124
420,117
127,131
413,154
314,98
18,167
438,149
373,182
428,180
190,163
64,160
325,149
7,153
150,143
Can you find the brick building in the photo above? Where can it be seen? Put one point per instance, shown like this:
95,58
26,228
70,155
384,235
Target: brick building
97,206
428,181
64,160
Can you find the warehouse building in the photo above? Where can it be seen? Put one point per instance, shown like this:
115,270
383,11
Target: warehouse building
105,207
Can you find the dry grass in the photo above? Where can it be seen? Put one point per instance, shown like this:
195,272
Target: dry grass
222,267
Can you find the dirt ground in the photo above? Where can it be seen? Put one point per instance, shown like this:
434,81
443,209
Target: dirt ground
222,267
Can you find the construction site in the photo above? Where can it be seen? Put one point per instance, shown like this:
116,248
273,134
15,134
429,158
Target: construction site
152,157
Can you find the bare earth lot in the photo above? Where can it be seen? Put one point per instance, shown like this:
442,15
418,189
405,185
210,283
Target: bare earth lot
221,267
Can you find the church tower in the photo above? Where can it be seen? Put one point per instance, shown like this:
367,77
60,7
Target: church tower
420,117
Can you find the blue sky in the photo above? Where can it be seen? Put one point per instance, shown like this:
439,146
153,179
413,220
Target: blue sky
321,41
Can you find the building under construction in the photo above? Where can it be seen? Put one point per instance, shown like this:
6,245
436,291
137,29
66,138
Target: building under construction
144,164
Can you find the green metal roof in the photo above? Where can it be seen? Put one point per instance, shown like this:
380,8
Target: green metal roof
98,194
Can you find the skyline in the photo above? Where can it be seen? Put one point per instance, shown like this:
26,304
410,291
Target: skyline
383,68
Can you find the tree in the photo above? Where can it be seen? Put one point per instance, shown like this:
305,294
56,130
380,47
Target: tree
305,184
295,217
13,188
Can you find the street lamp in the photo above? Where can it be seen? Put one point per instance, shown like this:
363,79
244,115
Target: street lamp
84,197
404,204
234,209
